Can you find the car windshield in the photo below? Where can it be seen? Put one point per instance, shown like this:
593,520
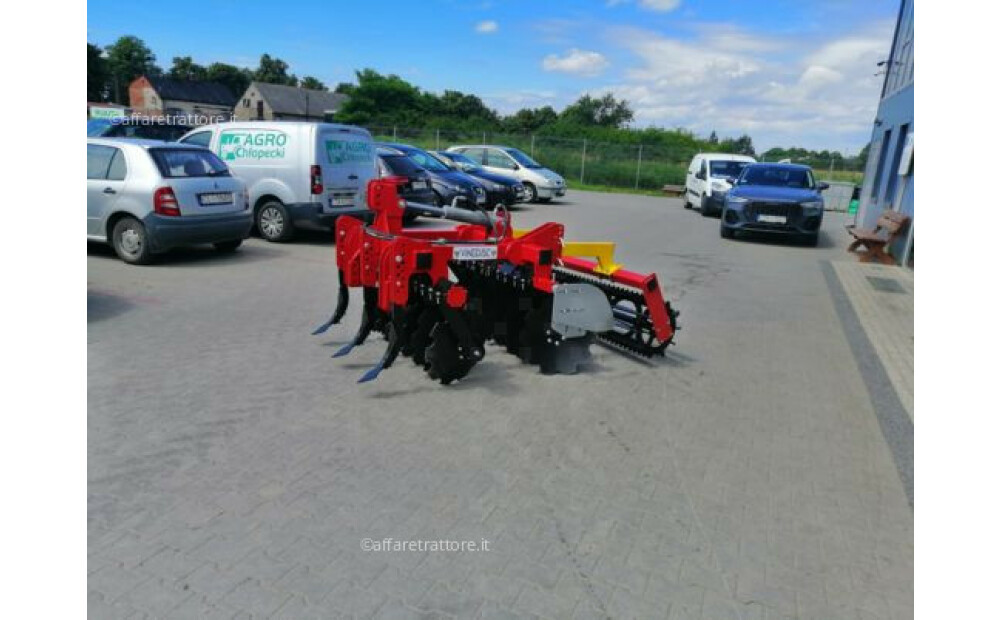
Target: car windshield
427,162
777,176
722,169
401,165
463,162
182,163
523,159
96,127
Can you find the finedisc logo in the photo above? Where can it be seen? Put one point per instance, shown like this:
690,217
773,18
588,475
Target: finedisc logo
253,145
349,151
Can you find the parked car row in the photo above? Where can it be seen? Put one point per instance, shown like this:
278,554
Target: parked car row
217,182
747,196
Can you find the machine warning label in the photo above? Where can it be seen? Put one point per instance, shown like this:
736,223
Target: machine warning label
236,145
474,252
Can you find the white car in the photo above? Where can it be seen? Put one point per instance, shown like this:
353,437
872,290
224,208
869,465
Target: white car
298,173
707,180
145,197
540,183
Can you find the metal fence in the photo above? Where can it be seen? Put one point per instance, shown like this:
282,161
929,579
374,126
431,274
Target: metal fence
583,162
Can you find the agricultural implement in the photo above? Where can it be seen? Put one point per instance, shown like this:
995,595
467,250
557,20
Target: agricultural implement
439,295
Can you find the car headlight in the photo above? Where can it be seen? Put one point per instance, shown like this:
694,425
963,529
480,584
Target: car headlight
813,205
719,186
736,200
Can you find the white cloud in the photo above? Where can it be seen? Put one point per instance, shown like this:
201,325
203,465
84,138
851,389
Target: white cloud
487,27
577,62
663,6
783,91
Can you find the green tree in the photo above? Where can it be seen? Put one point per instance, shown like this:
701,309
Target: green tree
128,58
274,71
184,68
98,74
312,83
236,78
381,98
605,111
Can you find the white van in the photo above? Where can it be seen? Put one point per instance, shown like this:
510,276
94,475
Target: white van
297,173
705,185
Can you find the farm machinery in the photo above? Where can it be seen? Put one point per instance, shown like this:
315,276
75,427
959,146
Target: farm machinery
439,295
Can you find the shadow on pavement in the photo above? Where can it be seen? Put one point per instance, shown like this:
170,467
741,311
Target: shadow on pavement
101,306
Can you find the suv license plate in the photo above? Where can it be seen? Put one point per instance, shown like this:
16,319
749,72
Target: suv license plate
772,219
217,198
341,201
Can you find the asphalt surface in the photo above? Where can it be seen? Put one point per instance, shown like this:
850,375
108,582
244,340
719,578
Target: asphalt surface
235,468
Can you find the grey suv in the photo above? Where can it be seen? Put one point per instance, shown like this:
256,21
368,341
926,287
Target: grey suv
146,197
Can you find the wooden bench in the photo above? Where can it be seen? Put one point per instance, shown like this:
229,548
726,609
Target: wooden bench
890,226
673,190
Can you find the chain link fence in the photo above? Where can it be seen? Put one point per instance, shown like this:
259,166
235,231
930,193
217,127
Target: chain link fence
601,164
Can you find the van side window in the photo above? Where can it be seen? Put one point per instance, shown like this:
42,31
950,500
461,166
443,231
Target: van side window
497,159
202,138
98,160
475,155
118,169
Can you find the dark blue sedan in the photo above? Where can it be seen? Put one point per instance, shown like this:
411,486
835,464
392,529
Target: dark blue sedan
446,182
775,198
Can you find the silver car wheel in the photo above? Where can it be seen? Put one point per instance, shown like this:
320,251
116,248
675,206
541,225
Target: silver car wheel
271,222
130,241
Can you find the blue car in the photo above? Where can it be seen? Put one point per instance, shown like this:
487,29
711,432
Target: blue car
774,198
446,182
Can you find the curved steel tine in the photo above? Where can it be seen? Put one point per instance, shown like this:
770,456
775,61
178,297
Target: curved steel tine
368,314
343,298
391,352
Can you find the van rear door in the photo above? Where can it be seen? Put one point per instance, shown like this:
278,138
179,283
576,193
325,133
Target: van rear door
346,157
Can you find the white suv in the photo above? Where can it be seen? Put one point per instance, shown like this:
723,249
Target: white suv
540,183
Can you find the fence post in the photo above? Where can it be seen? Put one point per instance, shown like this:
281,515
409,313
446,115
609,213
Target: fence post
831,169
437,140
532,146
583,160
393,133
484,137
638,168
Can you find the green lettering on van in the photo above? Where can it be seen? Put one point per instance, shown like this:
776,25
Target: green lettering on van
350,152
238,144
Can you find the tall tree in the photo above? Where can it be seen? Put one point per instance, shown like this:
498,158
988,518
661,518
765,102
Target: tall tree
274,71
381,98
236,78
128,58
98,74
312,83
605,111
184,68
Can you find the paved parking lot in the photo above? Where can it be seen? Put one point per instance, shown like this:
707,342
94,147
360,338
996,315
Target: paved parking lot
235,468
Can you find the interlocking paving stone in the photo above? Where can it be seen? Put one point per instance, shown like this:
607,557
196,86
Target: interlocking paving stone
233,467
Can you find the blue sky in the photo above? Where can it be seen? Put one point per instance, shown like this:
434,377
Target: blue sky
789,73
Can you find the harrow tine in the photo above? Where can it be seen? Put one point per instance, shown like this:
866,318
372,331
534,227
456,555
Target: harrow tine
343,298
367,323
395,344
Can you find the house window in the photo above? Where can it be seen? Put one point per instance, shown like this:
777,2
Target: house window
881,163
246,102
890,186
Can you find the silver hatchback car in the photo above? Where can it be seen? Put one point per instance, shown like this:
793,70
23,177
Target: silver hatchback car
145,197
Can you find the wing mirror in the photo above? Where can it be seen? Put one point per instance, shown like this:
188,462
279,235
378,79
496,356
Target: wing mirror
822,186
731,180
699,175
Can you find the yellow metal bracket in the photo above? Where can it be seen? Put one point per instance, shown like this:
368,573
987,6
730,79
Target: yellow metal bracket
603,251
